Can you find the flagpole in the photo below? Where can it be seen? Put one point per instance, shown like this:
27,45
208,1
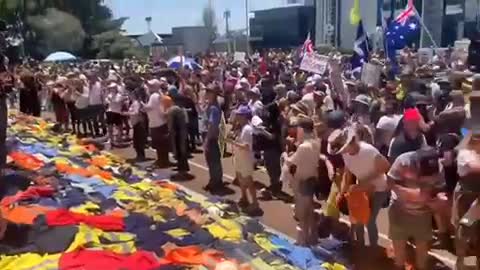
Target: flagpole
425,29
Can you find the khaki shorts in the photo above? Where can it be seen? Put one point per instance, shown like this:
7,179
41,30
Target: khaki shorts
244,168
404,226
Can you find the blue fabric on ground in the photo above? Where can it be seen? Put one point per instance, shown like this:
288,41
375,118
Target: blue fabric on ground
92,185
71,197
301,257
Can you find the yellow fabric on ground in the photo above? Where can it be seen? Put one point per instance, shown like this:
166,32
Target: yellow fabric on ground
90,238
225,229
88,208
29,261
263,241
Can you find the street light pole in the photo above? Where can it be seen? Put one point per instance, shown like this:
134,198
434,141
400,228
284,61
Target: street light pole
247,21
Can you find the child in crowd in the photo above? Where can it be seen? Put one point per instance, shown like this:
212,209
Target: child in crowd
244,160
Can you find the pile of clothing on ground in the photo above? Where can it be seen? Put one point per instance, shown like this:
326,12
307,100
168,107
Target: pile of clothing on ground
71,206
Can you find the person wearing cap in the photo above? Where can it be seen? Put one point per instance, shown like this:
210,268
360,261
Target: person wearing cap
211,145
178,133
365,162
244,161
410,138
304,181
416,180
157,123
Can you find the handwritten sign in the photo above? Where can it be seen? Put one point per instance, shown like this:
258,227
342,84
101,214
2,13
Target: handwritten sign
425,55
314,63
371,74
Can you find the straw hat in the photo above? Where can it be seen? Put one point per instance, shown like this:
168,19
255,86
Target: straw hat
339,140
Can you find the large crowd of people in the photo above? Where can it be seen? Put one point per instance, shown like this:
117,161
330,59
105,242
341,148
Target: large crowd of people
355,147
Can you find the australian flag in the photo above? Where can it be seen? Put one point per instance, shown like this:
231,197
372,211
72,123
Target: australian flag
399,36
402,32
361,48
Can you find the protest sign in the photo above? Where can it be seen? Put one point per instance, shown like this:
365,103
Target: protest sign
425,55
371,74
239,56
337,82
314,63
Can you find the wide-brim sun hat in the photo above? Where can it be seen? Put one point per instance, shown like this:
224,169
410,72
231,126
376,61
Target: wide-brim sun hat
339,140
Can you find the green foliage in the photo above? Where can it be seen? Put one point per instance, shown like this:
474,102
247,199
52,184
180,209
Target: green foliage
83,27
57,31
113,45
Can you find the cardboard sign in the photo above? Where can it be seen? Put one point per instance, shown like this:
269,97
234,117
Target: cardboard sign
239,56
314,63
425,55
337,82
371,74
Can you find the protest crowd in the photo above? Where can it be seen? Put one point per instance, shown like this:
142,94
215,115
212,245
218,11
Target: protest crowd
352,141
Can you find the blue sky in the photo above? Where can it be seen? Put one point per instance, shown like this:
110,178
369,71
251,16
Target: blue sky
170,13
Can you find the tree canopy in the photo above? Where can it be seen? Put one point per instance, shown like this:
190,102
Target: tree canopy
83,27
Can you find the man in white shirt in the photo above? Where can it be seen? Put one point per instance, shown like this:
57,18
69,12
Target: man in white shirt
366,163
96,98
157,123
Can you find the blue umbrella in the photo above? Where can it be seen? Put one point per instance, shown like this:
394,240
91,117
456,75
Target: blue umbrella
177,61
59,57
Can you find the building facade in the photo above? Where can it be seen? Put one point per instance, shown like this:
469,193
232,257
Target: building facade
444,20
284,27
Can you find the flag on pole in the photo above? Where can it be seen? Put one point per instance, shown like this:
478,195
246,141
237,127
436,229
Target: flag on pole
408,13
402,32
380,18
361,48
355,14
307,46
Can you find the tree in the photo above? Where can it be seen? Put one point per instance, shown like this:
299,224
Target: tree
210,22
56,30
113,45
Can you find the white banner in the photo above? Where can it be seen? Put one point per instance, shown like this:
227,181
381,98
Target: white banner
314,63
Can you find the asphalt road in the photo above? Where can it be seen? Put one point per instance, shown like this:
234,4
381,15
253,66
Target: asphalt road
279,214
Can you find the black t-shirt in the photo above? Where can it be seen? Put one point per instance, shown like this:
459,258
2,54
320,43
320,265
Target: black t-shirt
402,144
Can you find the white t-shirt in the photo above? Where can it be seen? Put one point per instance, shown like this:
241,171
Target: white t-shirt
306,159
155,111
82,99
246,137
115,102
464,157
389,122
362,165
256,107
309,100
96,94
